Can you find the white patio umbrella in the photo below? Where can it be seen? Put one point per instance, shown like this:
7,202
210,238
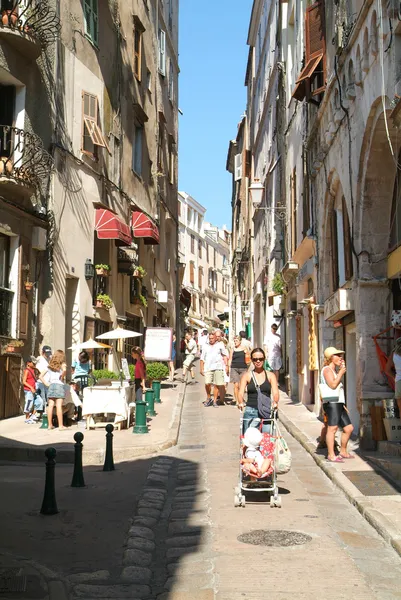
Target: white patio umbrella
118,334
88,345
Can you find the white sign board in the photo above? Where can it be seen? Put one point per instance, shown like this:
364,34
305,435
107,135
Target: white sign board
158,342
125,368
162,296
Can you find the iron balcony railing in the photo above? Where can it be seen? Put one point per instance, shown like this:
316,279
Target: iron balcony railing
23,157
6,303
31,17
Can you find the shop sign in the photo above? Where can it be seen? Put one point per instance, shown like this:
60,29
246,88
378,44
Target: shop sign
339,304
127,258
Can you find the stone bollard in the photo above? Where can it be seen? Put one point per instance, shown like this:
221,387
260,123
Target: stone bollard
140,417
156,385
45,421
150,403
49,504
78,475
108,459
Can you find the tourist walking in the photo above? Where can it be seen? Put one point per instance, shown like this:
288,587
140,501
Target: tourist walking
333,399
254,382
244,340
237,363
33,401
393,370
56,391
42,365
191,349
171,364
213,365
140,372
272,346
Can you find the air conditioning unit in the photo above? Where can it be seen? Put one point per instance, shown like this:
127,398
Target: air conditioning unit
393,9
39,238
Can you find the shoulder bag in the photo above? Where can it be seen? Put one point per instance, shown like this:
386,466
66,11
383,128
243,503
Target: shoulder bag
327,394
264,401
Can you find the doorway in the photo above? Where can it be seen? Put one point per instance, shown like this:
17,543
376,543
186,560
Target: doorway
350,360
72,325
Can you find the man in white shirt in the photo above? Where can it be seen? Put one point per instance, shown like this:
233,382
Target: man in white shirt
202,340
213,365
272,346
41,365
190,354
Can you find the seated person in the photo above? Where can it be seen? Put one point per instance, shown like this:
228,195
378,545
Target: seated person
81,367
254,462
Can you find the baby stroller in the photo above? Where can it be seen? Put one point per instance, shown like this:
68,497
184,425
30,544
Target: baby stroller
268,481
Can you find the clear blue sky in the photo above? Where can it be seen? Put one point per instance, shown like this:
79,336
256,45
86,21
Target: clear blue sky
213,57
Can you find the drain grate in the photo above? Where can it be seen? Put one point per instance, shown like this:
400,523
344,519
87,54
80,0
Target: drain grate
274,537
12,580
370,483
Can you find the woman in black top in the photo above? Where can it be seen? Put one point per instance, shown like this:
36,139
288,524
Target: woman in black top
237,364
267,383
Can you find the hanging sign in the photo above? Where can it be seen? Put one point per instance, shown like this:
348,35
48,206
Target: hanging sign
127,258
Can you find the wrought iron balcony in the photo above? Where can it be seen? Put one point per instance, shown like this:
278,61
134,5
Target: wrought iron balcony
29,25
6,302
24,163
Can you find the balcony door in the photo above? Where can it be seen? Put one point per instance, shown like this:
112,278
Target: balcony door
7,105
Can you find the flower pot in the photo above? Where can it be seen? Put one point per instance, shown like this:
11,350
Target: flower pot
29,285
11,349
137,273
6,165
9,18
102,272
100,305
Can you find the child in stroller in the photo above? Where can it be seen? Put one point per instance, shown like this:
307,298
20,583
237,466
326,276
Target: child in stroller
257,461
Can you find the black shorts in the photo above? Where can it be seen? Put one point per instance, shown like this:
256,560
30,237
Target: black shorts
337,416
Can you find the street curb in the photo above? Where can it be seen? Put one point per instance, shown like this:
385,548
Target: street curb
96,458
378,521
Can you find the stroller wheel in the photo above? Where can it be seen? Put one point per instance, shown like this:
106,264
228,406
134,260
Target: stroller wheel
272,504
243,501
278,502
237,501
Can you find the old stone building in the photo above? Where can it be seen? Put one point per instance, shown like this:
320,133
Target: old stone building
337,150
88,174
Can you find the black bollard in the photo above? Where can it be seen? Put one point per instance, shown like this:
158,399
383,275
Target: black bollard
78,475
49,504
108,460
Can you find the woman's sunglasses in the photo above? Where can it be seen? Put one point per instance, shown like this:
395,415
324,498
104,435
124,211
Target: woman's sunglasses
257,359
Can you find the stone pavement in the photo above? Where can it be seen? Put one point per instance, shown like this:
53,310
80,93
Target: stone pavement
21,442
365,484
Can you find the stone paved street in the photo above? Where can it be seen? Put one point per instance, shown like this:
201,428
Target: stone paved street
180,538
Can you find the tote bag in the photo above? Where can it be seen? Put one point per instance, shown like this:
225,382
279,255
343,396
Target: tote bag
327,394
283,454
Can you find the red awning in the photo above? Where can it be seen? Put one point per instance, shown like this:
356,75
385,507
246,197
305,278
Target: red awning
110,227
143,227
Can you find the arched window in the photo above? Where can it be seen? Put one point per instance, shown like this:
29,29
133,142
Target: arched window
340,244
365,59
374,35
358,67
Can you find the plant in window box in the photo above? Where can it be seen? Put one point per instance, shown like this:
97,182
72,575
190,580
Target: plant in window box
139,272
104,301
103,270
143,300
12,346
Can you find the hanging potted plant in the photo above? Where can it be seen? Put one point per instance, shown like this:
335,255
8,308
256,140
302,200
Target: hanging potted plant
143,300
29,285
104,301
103,270
139,272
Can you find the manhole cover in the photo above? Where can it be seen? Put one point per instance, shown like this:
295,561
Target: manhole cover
274,537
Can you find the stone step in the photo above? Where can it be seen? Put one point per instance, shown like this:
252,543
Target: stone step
389,448
391,465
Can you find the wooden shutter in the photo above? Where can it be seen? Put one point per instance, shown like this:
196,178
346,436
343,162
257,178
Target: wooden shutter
191,272
23,309
162,51
349,267
238,167
248,164
334,249
315,39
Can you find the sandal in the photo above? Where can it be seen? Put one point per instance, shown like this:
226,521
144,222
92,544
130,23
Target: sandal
337,459
347,457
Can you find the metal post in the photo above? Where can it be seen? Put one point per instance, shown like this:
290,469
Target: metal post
156,385
140,417
49,504
45,422
78,475
108,460
150,403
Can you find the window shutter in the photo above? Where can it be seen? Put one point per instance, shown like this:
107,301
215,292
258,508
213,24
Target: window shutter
248,163
238,167
334,249
162,51
349,268
315,41
23,310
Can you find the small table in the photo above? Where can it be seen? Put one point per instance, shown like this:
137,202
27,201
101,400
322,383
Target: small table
117,400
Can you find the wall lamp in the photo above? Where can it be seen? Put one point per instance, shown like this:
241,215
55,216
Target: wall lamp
89,269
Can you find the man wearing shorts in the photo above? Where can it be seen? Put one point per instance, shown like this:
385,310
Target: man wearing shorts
213,365
190,354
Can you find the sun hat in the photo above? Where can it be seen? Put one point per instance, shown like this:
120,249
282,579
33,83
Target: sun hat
32,359
329,352
252,437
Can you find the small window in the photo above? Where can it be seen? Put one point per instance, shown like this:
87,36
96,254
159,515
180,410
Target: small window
192,243
171,82
137,53
200,278
200,248
92,134
207,252
171,166
91,11
149,81
160,143
179,209
137,147
162,52
214,257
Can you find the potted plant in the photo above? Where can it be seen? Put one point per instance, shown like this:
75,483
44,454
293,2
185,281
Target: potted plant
28,285
103,270
104,376
13,346
104,301
155,372
278,284
139,272
9,17
143,300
